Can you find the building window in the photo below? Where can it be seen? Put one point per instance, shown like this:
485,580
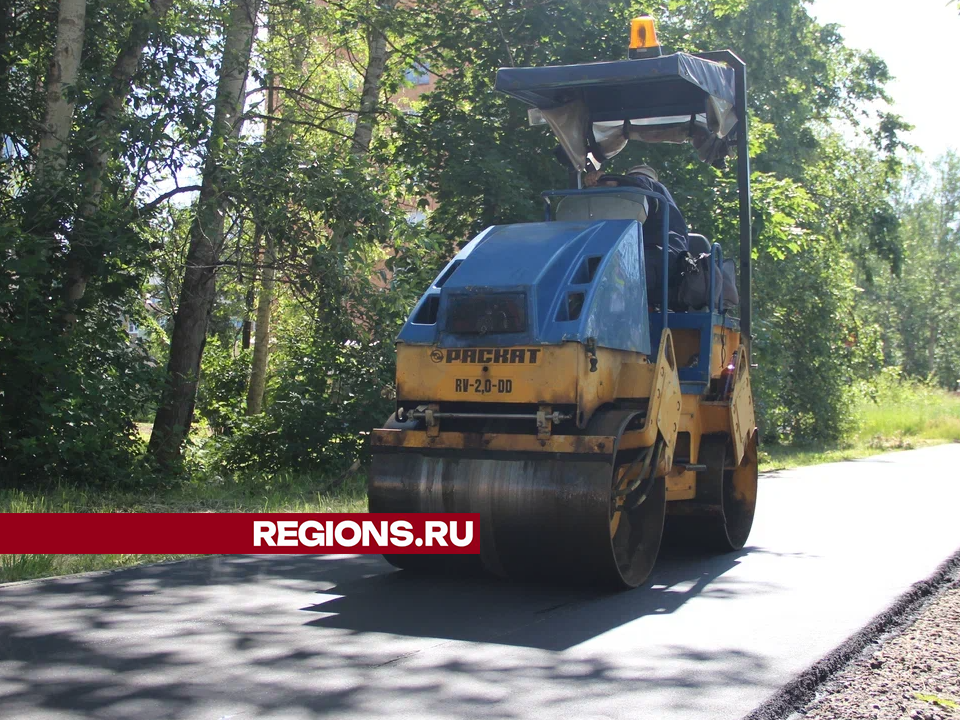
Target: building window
419,74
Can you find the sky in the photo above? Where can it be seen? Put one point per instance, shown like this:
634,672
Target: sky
920,42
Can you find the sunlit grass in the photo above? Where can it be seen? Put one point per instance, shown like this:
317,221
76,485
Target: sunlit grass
28,567
919,413
894,415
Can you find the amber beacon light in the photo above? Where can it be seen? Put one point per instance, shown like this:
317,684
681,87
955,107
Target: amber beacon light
643,38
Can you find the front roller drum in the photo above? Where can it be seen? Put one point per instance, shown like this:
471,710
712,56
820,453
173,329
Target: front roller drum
540,517
719,519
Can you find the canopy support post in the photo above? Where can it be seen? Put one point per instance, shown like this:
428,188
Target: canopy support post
743,190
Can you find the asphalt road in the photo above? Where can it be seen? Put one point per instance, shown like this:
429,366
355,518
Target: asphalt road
347,637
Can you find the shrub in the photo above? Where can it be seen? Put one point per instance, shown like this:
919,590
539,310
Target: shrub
221,394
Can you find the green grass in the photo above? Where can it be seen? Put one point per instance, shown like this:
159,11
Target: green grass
892,415
916,413
300,494
28,567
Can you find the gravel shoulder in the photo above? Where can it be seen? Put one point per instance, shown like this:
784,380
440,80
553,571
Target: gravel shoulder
912,674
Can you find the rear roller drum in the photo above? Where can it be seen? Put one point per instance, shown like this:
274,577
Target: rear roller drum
719,518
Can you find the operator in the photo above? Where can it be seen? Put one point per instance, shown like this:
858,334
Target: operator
646,178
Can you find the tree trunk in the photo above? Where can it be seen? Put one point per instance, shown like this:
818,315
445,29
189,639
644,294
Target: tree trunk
261,349
370,95
61,78
175,413
250,297
98,147
7,31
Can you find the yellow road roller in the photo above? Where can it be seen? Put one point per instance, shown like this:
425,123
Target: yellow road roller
583,383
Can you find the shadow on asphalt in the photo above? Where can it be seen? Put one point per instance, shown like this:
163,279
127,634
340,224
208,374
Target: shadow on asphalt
490,610
225,635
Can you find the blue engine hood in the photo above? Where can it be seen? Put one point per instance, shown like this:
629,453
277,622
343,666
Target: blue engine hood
578,280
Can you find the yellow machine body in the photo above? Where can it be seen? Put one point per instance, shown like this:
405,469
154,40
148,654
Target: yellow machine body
611,456
562,375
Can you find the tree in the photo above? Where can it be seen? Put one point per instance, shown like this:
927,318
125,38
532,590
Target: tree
926,298
261,350
372,76
175,412
61,82
101,145
375,19
68,400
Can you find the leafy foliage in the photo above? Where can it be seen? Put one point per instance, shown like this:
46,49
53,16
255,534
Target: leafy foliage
854,270
222,387
68,403
333,378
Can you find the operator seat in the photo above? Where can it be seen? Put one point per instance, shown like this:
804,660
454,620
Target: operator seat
602,207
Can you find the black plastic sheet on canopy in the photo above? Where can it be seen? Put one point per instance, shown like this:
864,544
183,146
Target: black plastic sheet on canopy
597,108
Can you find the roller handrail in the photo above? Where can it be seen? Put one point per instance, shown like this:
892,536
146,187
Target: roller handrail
716,256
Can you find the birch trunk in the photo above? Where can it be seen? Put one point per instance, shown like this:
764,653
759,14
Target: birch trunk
246,332
370,94
261,349
175,414
369,98
61,77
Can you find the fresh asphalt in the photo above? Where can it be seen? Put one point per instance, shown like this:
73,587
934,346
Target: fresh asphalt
348,637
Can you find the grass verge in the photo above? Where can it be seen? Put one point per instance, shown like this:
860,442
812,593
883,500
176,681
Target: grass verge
890,414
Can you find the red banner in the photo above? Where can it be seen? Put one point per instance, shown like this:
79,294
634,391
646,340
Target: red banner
235,533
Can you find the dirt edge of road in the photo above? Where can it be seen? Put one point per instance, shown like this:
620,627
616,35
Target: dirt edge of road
800,691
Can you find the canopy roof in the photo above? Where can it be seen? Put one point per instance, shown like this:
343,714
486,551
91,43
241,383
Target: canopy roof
596,108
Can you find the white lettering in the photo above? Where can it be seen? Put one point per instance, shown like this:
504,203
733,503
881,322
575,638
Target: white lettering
352,527
287,536
370,531
467,533
312,540
402,533
435,530
264,530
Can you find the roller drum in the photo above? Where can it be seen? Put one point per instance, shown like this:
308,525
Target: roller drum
718,520
540,517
